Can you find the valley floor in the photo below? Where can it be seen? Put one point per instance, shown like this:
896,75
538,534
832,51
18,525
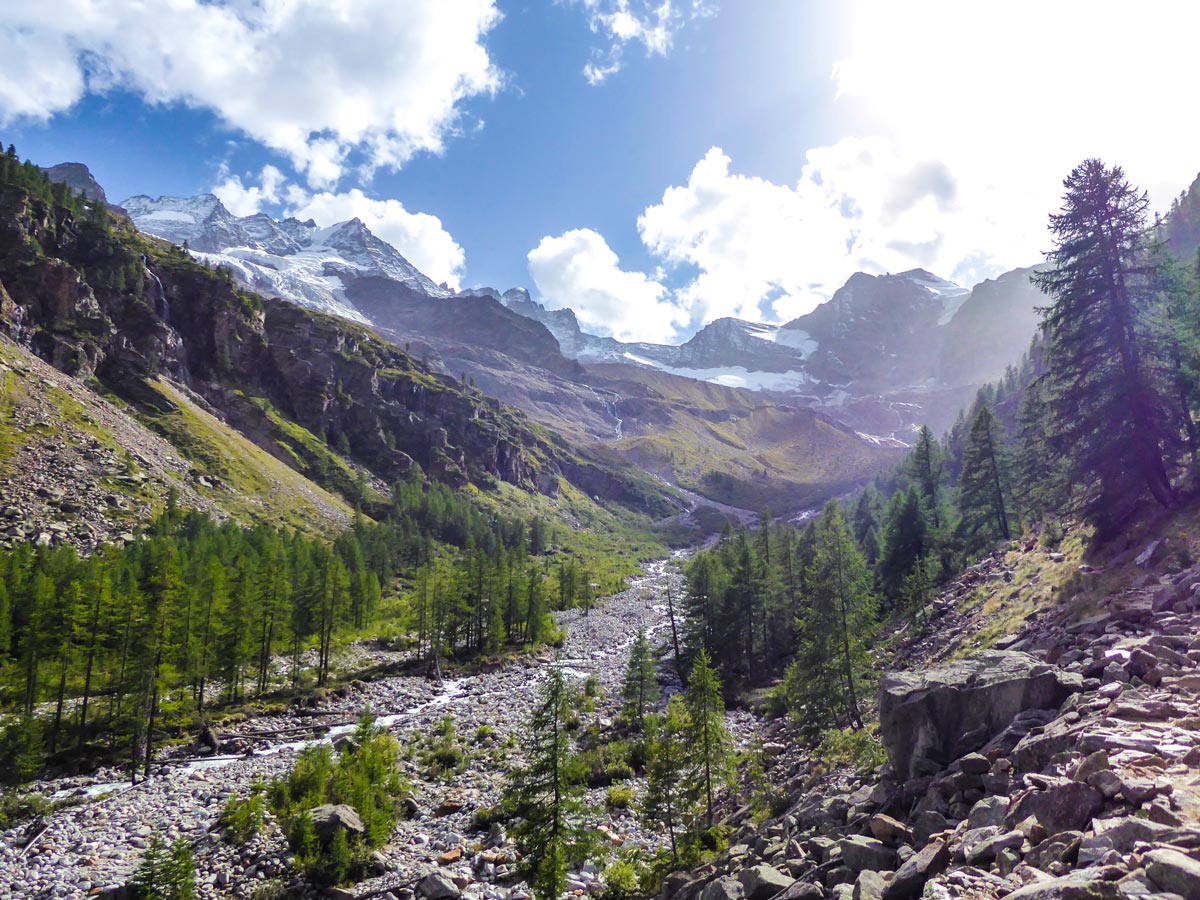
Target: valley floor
94,847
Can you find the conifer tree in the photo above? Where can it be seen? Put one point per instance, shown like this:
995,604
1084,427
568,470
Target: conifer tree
665,804
640,690
543,795
1106,377
708,737
983,487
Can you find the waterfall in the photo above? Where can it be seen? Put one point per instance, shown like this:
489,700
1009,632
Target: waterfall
162,306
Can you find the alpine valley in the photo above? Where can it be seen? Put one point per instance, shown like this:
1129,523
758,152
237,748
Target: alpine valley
321,579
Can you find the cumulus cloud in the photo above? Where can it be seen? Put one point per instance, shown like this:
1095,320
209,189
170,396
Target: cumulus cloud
419,237
578,269
314,80
621,24
246,199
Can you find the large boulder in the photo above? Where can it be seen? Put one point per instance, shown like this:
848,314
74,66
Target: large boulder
932,717
763,882
329,819
724,888
436,886
1062,807
1173,871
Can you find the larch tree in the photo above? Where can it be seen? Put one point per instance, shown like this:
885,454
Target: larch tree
640,689
984,496
665,804
708,737
1106,374
542,793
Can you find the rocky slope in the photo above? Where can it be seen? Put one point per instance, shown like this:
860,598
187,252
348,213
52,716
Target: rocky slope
1066,765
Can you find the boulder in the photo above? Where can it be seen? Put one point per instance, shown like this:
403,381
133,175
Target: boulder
1173,872
724,888
932,717
869,886
802,890
1063,807
919,868
436,886
329,819
1085,884
860,852
763,882
889,830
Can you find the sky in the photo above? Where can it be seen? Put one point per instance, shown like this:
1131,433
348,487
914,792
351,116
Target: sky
653,164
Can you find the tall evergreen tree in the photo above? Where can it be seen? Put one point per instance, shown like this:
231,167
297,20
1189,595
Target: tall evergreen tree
983,486
708,737
665,804
542,793
1106,375
640,690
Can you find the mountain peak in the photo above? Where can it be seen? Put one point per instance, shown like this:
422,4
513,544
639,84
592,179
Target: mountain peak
78,177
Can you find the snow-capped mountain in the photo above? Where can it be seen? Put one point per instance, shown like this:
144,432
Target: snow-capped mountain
300,261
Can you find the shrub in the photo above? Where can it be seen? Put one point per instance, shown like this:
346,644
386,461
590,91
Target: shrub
620,796
165,873
852,747
364,777
242,818
22,750
622,881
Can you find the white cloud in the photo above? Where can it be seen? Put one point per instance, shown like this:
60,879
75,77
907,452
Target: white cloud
245,200
620,24
419,237
578,269
312,79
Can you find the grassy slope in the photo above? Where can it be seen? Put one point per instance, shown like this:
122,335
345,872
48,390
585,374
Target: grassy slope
737,447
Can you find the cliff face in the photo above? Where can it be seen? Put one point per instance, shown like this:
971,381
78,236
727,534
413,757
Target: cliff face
98,299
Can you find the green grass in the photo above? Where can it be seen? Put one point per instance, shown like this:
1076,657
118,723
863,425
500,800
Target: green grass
260,487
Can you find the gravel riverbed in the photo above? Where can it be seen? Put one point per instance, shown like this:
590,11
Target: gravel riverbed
92,848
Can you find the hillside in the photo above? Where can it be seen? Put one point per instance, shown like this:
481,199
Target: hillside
322,396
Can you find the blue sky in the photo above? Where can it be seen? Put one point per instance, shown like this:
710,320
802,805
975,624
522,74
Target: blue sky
736,158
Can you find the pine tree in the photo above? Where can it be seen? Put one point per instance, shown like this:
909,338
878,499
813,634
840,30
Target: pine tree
1105,375
983,487
825,679
542,794
665,804
640,689
708,737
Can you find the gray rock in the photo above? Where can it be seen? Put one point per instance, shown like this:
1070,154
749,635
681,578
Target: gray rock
329,819
1173,872
918,869
1062,807
860,852
763,882
436,886
802,890
724,888
941,714
1086,884
869,886
988,811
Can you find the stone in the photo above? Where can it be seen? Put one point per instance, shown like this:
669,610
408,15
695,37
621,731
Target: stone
889,830
436,886
869,886
1173,872
989,848
1086,884
1090,765
724,888
911,877
988,811
802,890
943,713
860,852
329,819
1063,807
975,764
763,882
